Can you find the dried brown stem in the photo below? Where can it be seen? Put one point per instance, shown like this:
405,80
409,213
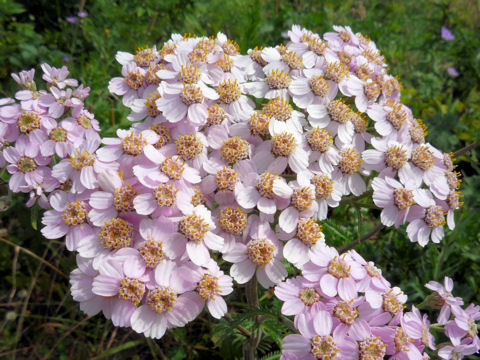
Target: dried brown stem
466,149
35,256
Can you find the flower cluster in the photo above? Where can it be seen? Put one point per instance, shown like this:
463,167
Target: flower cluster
236,157
345,309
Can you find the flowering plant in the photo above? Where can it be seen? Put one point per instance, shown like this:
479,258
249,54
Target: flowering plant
230,166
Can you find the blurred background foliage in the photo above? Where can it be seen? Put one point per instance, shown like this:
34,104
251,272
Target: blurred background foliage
38,318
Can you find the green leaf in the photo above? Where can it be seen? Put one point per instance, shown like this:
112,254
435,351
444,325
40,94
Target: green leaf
119,348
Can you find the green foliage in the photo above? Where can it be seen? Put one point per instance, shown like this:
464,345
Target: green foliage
40,319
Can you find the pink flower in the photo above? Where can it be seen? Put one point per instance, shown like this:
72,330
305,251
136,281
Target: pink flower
82,167
302,204
130,85
160,241
266,191
123,280
186,100
389,117
82,125
68,217
446,34
452,71
298,295
210,284
25,79
328,192
318,339
164,306
196,226
27,166
163,166
117,197
286,148
426,220
57,77
126,147
261,255
81,280
347,172
418,328
308,236
396,199
59,101
337,274
444,298
313,88
55,140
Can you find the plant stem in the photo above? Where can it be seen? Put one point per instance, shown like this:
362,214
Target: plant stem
251,293
466,149
362,238
26,251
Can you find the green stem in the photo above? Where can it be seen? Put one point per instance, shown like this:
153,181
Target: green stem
437,327
251,293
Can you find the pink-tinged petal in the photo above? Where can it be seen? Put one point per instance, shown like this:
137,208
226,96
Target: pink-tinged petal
236,253
323,255
198,253
389,216
277,166
298,161
110,153
197,114
213,241
317,111
288,219
347,289
242,271
158,328
304,324
423,235
276,271
87,177
55,231
163,272
104,285
247,197
437,234
58,200
187,308
122,313
266,206
191,175
98,217
101,200
374,298
145,204
444,315
217,307
281,189
448,284
297,344
153,154
299,87
356,184
296,252
383,127
142,319
263,279
93,306
293,307
328,284
322,323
